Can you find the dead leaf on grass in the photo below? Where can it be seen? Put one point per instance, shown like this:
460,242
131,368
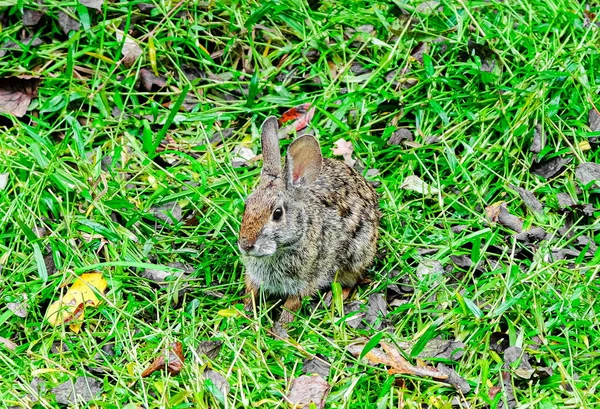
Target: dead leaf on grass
66,22
317,365
376,311
8,343
300,116
170,213
564,200
515,354
345,149
551,167
400,135
148,80
529,199
164,277
594,120
16,94
537,143
242,156
131,50
308,389
217,384
587,173
454,379
81,294
428,7
3,181
93,4
498,213
80,392
397,363
174,360
210,349
415,184
19,308
32,17
419,50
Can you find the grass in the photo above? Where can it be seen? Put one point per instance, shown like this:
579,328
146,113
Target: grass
97,154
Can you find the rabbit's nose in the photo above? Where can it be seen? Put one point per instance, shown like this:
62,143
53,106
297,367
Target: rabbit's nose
246,244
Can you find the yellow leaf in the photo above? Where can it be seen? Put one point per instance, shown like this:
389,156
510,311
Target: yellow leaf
229,312
71,307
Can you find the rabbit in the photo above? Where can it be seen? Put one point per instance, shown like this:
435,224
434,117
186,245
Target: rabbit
311,223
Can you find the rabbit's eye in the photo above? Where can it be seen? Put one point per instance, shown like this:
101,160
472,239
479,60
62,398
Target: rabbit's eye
277,213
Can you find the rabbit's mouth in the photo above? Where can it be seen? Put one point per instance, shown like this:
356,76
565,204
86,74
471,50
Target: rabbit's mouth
259,250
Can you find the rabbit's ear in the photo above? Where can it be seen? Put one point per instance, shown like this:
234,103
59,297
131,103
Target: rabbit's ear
270,149
304,161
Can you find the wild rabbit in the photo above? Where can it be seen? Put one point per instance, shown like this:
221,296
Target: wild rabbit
314,222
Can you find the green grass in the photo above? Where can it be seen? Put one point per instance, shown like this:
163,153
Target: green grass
97,153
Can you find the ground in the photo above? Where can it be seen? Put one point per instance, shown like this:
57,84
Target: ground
130,139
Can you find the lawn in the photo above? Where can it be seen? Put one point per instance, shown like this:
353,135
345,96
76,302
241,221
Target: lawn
130,138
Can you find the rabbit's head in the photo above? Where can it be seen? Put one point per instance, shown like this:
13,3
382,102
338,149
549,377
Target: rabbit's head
274,217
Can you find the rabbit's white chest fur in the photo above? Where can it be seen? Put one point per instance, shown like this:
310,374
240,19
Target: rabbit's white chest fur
273,276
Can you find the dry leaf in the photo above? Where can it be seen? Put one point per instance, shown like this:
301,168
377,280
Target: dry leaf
301,117
209,348
530,200
551,167
524,369
93,4
168,212
3,180
498,213
242,156
594,120
537,142
72,305
8,343
415,184
219,384
345,149
16,94
32,17
67,23
80,392
317,365
174,364
308,389
148,79
400,135
131,50
587,173
392,358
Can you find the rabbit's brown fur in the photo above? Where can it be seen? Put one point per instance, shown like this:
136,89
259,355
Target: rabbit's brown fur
307,225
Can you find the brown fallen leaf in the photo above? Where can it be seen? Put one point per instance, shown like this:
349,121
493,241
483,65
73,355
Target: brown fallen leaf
551,167
8,343
397,363
588,172
16,94
148,80
217,384
400,135
32,17
131,50
93,4
498,213
345,149
68,23
537,143
82,391
308,389
529,199
594,120
209,348
174,364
